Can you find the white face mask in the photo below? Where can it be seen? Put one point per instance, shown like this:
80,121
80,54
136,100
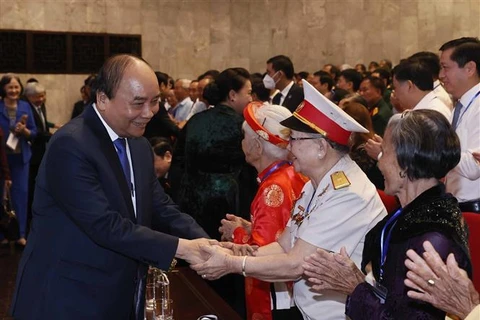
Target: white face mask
268,81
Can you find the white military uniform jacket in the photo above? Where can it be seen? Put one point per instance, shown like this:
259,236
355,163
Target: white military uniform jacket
332,219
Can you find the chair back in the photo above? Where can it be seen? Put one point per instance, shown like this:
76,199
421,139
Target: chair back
390,202
473,221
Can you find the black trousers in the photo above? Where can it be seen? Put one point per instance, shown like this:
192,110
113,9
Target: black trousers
287,314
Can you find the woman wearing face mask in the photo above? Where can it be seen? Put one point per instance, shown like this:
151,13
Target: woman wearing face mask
209,162
19,128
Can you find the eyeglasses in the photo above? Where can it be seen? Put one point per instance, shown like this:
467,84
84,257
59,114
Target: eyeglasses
303,138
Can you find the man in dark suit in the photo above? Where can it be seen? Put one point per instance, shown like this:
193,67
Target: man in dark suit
35,94
96,200
85,91
280,76
161,125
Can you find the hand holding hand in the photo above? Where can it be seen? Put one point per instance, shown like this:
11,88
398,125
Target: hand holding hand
230,224
445,286
218,265
373,146
332,271
191,250
239,249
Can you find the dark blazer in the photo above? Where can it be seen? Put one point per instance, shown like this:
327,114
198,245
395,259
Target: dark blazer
22,109
161,125
4,169
43,135
293,98
78,108
87,253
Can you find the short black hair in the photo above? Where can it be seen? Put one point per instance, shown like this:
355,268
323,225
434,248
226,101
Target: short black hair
334,70
162,77
320,73
6,80
209,73
303,74
425,142
89,80
161,146
376,83
258,88
353,76
384,74
415,71
465,53
32,80
456,42
325,77
282,63
430,60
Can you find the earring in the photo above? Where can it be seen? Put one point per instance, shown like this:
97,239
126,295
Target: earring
402,174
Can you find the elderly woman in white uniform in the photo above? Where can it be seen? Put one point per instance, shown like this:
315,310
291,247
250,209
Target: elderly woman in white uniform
336,208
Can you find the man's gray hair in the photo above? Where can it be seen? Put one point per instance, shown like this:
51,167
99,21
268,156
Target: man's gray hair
33,88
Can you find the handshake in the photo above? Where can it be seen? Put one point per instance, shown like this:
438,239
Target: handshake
216,258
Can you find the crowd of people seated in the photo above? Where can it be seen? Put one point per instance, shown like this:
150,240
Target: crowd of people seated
286,169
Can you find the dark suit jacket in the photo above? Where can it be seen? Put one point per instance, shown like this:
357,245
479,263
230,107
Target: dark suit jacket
87,253
78,108
293,98
161,125
43,135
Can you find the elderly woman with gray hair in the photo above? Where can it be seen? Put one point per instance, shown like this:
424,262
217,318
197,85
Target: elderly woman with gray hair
264,144
418,149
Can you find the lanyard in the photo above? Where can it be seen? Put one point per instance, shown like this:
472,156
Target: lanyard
385,242
468,106
272,170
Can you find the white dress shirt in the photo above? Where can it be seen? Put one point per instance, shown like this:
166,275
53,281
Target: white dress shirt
198,106
431,101
113,137
182,109
464,180
284,92
442,94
